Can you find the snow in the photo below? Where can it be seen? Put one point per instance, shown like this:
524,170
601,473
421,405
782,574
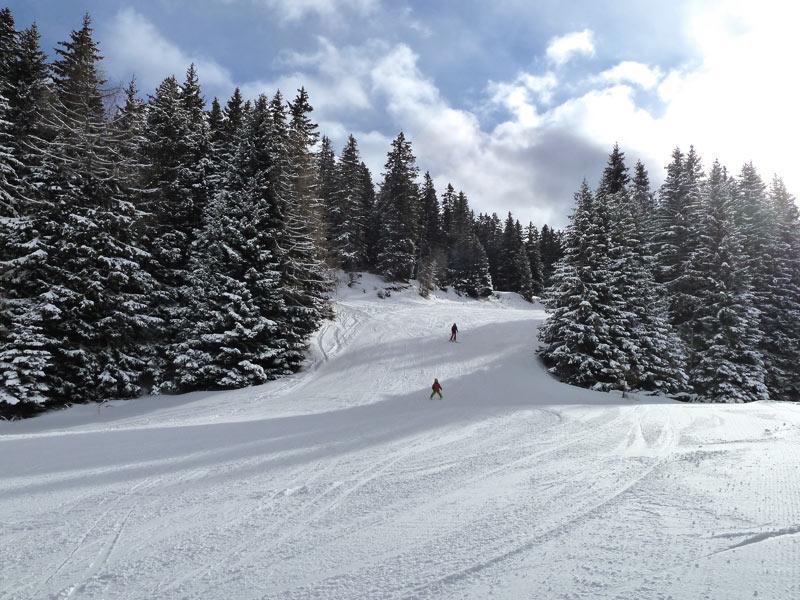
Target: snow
345,481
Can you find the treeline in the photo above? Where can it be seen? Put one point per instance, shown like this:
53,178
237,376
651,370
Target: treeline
408,231
163,246
693,290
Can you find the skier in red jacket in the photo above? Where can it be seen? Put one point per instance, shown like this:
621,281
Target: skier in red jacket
453,333
437,389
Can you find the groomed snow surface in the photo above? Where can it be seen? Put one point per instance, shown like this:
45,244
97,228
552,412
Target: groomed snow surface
346,481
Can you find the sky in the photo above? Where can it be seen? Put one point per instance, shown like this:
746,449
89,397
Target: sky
513,101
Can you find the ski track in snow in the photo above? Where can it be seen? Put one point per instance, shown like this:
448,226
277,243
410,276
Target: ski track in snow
344,481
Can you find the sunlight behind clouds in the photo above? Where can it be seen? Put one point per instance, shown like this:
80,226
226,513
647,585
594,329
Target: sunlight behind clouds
734,99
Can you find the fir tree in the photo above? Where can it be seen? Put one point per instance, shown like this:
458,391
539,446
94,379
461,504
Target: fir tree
643,201
551,250
675,234
430,229
781,321
533,250
304,282
508,265
79,268
373,221
522,266
468,265
347,232
655,354
9,190
579,342
397,205
232,338
448,202
9,48
302,138
725,364
28,105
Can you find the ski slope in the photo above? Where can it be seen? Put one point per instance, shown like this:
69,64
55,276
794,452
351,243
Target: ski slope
346,481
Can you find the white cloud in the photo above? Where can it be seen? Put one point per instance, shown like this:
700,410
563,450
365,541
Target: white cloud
336,76
735,100
296,10
561,49
630,71
135,47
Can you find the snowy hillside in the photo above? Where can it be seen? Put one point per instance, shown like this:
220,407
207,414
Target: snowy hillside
346,481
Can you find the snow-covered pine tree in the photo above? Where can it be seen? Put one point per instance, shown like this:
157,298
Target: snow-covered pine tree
128,130
781,323
348,225
304,280
468,266
234,336
397,207
303,137
578,341
508,243
533,250
167,231
656,353
674,234
490,233
80,268
725,364
27,98
755,221
9,47
216,147
431,249
522,267
327,188
233,122
224,130
551,250
447,204
644,204
509,247
641,331
195,172
368,208
9,164
10,200
615,176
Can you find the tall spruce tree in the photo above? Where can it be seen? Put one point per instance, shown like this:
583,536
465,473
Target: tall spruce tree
373,218
781,321
80,271
725,364
674,235
235,334
551,250
397,207
304,280
430,228
348,222
468,265
28,103
533,250
579,341
303,137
